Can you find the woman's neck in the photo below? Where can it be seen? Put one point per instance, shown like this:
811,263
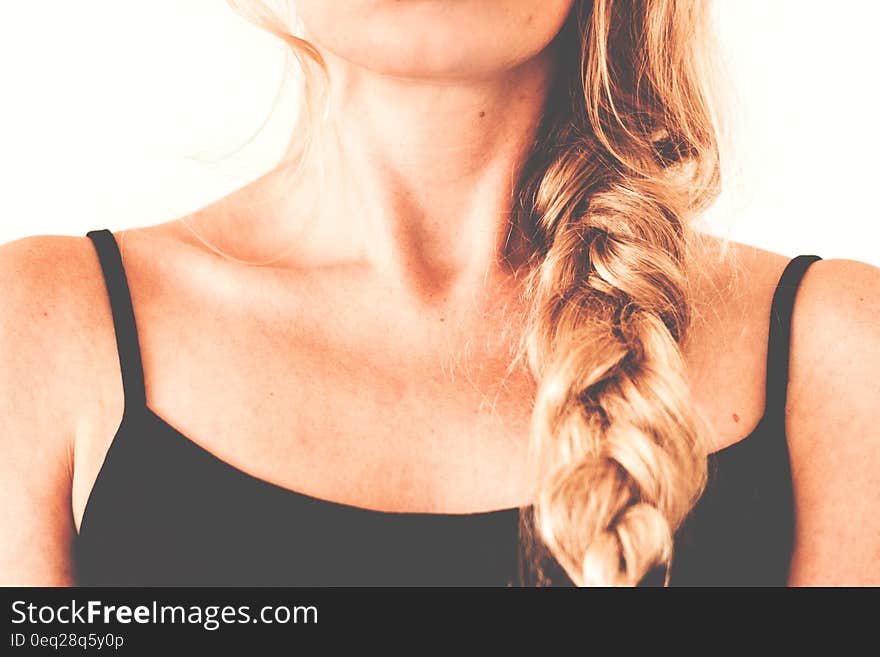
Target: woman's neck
414,178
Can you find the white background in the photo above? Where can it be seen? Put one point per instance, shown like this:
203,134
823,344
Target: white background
118,113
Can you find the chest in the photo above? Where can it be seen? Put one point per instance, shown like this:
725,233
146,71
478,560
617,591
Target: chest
402,432
336,395
334,389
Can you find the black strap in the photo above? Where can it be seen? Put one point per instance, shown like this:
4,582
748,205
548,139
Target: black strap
123,319
779,341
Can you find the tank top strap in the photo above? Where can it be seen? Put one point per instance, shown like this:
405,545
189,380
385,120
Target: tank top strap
779,340
124,324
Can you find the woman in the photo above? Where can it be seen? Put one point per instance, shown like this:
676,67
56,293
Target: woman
466,334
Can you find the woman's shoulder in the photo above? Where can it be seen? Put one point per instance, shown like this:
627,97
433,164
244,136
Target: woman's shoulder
833,423
48,289
733,281
832,410
57,345
50,286
836,312
732,286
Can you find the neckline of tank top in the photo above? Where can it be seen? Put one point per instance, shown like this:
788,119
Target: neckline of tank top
344,507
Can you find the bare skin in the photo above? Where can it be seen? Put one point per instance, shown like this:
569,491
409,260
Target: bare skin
368,365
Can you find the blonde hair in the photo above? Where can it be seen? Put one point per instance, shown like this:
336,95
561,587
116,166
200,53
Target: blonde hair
626,156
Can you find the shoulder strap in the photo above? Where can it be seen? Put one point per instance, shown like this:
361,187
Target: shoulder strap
123,319
778,343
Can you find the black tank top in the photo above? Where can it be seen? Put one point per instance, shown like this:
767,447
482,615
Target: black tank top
165,511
